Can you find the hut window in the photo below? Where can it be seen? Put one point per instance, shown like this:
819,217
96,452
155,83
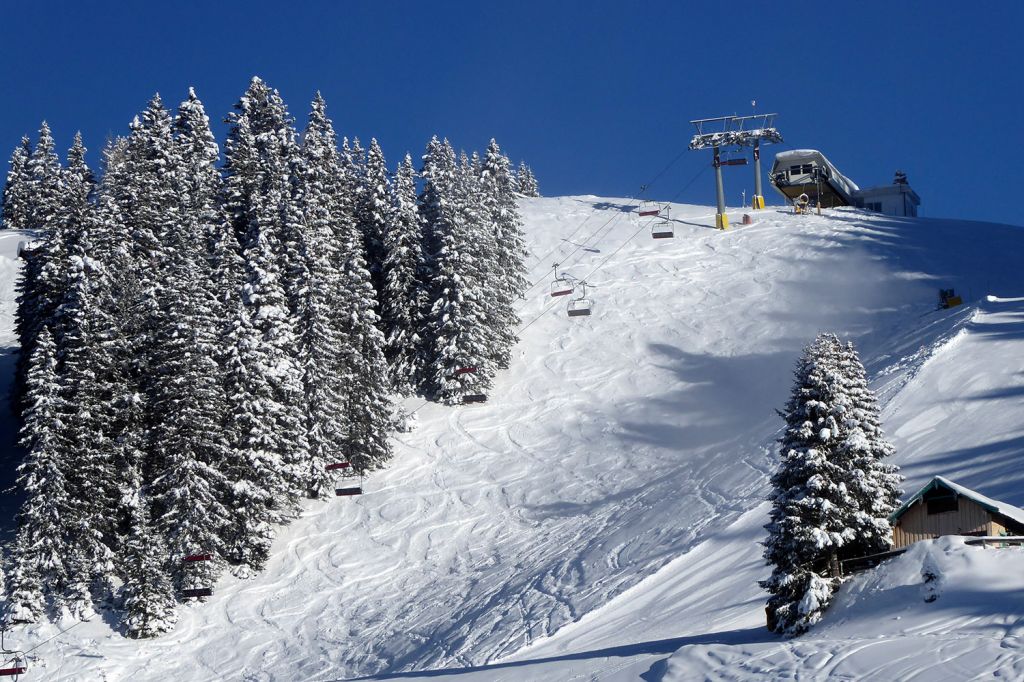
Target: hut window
940,501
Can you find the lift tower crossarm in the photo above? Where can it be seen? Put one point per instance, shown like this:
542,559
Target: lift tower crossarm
735,131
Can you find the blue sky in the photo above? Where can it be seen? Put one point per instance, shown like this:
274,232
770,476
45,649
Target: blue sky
596,96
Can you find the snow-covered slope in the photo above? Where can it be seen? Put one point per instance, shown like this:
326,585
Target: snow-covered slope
602,511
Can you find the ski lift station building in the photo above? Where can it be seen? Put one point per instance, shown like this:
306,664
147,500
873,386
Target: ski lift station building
896,199
943,507
806,171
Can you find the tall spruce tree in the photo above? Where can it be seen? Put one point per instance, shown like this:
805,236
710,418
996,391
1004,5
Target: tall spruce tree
149,605
38,561
831,493
322,334
17,207
37,294
187,443
454,332
526,181
375,212
367,407
401,291
264,378
508,274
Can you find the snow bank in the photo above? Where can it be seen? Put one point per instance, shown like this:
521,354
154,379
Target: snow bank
942,611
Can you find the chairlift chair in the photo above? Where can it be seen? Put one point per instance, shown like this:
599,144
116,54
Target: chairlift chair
346,486
663,228
561,286
15,662
649,208
196,592
465,370
580,305
471,398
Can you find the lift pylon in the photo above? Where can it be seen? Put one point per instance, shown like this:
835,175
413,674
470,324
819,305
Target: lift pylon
739,132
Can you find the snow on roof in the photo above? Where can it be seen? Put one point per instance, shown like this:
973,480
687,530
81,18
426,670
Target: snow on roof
994,506
793,153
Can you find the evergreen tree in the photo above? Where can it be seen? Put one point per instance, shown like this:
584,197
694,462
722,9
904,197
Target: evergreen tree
264,379
873,481
37,293
17,207
508,272
187,442
401,293
527,182
38,562
322,333
831,494
454,333
375,212
367,406
149,606
105,426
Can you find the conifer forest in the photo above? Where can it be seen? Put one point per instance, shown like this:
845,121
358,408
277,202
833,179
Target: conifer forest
209,336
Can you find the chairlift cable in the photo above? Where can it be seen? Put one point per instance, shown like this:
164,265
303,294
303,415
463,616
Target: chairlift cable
643,190
552,304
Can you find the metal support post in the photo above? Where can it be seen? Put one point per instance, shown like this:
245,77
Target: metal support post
758,202
721,220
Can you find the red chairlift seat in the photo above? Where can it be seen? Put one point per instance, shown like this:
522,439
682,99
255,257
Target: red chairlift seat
580,305
474,398
198,557
345,485
663,230
14,661
338,465
562,287
465,370
197,592
649,208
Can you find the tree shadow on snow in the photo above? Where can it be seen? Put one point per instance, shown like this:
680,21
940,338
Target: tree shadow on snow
993,469
651,648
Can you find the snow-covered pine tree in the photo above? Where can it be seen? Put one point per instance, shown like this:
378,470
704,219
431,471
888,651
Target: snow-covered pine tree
872,480
37,297
375,212
509,271
264,379
454,330
321,334
480,266
16,197
104,422
149,604
527,182
367,406
825,499
401,293
37,562
188,448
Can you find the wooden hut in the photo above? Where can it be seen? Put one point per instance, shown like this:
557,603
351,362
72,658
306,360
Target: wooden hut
943,507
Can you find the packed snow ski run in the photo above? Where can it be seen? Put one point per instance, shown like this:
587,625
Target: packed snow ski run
600,516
